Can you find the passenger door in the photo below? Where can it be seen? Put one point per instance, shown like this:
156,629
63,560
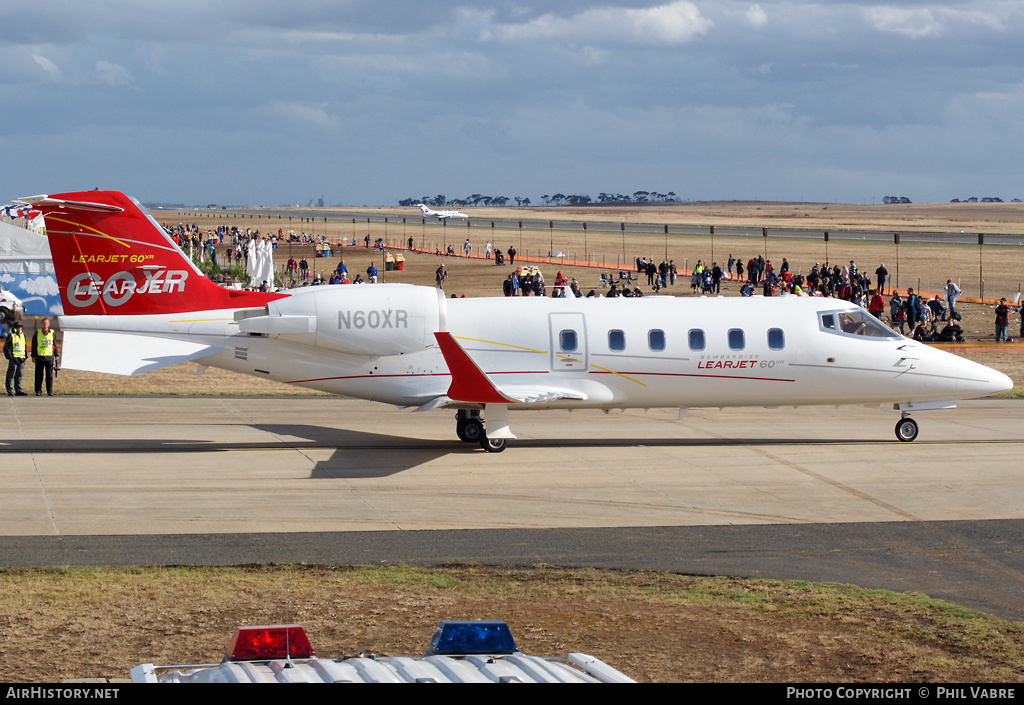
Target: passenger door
568,342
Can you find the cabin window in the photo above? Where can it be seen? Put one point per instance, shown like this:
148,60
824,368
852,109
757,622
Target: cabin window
697,341
656,339
616,340
776,339
567,340
828,321
736,339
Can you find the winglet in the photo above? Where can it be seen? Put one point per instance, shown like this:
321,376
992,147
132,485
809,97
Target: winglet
469,382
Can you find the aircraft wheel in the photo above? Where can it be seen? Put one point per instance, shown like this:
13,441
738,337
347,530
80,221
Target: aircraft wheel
906,429
471,431
493,445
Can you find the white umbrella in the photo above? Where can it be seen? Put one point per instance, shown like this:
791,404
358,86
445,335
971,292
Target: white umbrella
250,259
267,270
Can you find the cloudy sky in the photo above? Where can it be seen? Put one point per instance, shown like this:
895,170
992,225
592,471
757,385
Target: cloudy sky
368,102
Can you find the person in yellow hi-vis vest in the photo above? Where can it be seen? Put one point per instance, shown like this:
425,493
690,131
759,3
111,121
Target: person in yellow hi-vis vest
15,350
44,350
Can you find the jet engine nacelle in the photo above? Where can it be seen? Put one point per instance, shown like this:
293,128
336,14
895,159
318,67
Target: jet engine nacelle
371,319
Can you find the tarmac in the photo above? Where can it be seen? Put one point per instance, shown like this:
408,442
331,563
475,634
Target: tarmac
817,493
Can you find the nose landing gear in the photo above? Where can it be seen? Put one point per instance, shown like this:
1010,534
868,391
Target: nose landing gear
906,429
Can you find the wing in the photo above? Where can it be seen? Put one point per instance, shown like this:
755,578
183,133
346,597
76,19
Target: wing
471,384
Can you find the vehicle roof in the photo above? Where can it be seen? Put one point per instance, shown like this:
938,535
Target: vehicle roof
511,668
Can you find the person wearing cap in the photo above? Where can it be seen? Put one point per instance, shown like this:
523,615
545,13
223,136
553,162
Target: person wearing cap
1002,321
44,350
15,351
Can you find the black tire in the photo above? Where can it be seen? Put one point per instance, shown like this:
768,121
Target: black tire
5,314
471,431
906,429
493,445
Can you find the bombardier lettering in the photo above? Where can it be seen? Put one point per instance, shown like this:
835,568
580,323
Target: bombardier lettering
383,318
86,288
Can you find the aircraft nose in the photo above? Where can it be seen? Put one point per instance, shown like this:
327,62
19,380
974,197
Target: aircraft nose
999,382
976,380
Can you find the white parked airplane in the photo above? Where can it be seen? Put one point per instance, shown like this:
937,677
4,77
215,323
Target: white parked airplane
441,215
133,302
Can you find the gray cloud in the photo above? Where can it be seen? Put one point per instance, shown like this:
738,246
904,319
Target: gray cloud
246,102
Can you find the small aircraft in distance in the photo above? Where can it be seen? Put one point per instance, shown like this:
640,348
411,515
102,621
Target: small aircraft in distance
441,215
133,302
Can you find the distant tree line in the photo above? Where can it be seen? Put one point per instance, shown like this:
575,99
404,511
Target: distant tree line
984,199
475,200
896,199
557,199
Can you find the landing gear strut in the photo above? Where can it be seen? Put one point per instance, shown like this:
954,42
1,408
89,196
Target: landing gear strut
470,429
906,429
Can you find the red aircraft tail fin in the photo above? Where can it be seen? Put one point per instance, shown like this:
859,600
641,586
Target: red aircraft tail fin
112,258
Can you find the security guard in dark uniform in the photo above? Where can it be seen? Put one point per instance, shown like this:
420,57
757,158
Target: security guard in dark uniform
43,352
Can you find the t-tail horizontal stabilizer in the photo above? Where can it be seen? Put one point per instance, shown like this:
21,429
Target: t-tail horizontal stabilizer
92,351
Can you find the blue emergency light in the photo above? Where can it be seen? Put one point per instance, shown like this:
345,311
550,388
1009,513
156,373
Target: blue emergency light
462,637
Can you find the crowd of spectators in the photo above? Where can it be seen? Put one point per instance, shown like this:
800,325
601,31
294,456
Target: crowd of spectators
913,315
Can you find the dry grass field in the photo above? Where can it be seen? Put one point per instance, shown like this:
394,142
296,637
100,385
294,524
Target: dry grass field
654,627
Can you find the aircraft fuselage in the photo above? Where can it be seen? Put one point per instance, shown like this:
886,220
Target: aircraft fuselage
377,342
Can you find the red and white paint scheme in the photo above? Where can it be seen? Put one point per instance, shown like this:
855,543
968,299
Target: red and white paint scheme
134,302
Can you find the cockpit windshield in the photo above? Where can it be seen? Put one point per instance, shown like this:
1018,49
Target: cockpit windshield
855,322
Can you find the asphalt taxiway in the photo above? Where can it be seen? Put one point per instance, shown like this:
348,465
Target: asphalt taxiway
818,493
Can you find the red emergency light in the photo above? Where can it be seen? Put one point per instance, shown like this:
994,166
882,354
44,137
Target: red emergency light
264,643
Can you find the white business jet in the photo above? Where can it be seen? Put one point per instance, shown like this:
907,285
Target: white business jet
134,302
441,215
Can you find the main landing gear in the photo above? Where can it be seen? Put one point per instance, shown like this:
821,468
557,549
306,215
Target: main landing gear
469,426
470,429
906,429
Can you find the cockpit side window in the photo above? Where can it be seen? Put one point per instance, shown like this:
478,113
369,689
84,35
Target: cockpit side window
857,323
